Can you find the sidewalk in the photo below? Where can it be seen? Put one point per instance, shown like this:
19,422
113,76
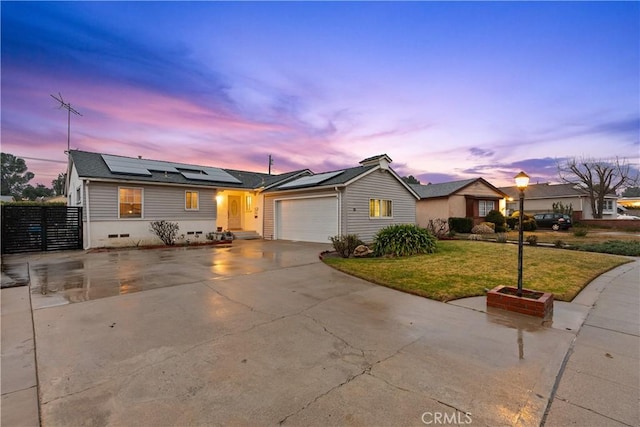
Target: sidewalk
600,383
19,379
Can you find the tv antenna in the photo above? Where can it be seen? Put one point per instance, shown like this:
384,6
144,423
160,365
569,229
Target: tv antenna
67,106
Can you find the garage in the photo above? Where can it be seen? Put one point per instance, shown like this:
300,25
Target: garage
312,219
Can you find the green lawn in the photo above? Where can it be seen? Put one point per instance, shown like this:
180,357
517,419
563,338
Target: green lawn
466,268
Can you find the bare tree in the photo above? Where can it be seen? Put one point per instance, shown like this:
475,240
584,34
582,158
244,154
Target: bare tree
599,178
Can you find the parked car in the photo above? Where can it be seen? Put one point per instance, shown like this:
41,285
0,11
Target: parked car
554,221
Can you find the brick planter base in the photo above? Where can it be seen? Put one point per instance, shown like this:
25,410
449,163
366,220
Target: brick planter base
532,303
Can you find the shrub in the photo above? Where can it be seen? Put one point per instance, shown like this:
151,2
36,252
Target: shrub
344,245
439,227
580,231
497,219
482,229
532,240
165,230
616,247
528,223
558,243
501,238
404,240
460,225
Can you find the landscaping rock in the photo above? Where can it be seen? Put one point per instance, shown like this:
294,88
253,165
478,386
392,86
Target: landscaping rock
362,251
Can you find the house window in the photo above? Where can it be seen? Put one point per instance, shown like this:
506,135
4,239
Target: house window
607,206
78,196
191,200
248,204
485,206
380,208
130,202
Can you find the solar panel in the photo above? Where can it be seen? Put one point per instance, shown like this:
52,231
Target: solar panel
212,176
157,166
310,180
124,165
127,165
129,171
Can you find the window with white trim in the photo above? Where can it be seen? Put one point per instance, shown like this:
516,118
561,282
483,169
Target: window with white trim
248,204
485,206
78,195
130,202
607,206
191,200
380,208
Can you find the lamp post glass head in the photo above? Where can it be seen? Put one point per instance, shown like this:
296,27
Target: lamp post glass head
522,180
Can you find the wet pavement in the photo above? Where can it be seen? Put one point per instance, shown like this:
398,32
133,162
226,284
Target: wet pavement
262,333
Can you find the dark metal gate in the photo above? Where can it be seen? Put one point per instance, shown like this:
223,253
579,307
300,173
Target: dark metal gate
41,228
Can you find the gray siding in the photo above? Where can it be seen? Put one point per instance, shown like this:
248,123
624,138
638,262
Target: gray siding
376,185
158,202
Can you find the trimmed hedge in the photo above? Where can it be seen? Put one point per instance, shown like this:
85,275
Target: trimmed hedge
461,225
498,219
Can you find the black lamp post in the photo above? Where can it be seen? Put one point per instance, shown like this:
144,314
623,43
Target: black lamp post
522,180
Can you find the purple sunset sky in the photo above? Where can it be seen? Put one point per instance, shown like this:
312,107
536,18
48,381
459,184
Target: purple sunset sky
448,90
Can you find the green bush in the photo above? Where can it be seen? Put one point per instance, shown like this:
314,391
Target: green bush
344,245
528,223
404,240
558,243
615,247
532,240
580,231
461,225
165,230
498,219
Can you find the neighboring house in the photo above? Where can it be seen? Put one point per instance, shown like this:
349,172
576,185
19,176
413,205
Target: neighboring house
121,196
539,198
360,200
56,199
472,198
629,206
6,199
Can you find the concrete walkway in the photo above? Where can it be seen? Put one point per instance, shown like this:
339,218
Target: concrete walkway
294,342
19,381
600,383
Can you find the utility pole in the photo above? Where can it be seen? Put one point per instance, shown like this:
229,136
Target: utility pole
270,163
67,106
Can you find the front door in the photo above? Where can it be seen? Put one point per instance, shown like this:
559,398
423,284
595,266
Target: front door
235,221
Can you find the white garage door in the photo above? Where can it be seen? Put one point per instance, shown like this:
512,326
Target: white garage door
307,220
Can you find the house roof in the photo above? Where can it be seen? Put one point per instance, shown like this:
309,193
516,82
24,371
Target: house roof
343,177
445,189
93,165
107,167
549,191
333,178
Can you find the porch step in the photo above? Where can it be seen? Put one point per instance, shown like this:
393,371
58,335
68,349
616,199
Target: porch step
246,235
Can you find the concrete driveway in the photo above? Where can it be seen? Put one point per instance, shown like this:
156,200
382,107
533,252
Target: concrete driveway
262,333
